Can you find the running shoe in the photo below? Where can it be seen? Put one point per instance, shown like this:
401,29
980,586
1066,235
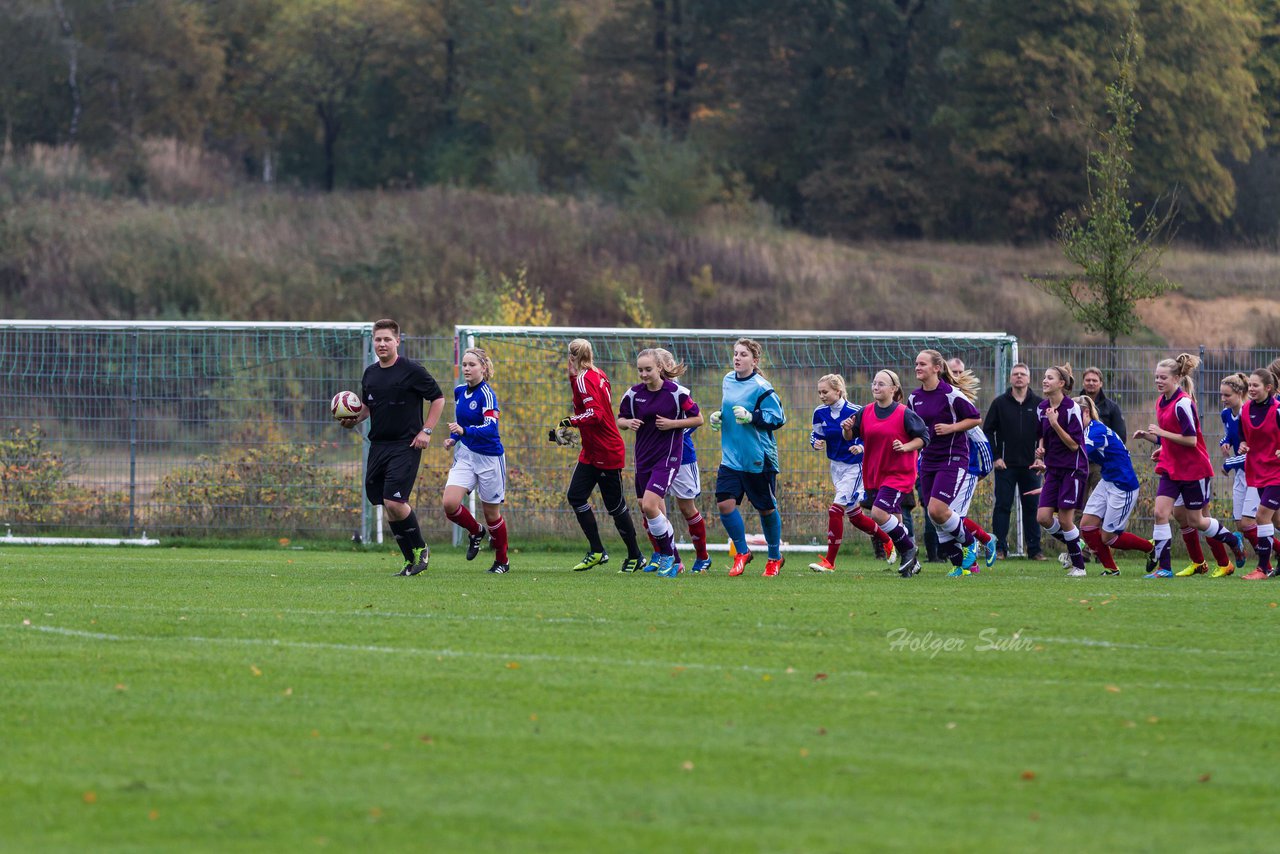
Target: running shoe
823,565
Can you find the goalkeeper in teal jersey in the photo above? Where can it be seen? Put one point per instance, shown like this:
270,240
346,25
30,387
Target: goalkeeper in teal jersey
749,413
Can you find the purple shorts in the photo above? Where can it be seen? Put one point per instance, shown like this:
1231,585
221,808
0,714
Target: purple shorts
1269,497
889,500
657,481
943,485
1194,493
1063,488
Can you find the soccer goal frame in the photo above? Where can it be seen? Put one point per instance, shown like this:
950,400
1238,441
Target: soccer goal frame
530,380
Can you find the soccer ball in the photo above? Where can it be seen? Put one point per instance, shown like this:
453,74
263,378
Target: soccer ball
346,404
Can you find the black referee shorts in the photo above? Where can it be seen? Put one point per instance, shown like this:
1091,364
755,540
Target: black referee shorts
392,471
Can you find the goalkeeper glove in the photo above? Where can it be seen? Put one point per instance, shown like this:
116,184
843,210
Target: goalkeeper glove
741,415
715,420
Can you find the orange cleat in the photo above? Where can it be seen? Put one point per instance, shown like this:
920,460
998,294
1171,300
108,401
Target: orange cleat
823,565
773,567
740,561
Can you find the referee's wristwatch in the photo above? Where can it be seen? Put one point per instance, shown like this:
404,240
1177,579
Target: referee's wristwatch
426,430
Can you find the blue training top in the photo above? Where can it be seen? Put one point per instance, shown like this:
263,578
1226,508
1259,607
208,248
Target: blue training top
1232,440
826,426
1105,448
476,411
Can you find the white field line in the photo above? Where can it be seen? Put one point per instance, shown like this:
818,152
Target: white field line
432,653
600,662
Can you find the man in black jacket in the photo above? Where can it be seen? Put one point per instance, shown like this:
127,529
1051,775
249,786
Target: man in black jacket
1012,426
1108,413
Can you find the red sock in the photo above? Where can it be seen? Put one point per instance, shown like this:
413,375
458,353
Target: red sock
864,523
698,533
652,540
1251,534
1191,538
1220,553
974,528
498,530
1130,543
463,519
1093,539
835,532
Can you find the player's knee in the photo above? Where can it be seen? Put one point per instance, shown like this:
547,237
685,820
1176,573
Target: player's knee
1044,518
450,506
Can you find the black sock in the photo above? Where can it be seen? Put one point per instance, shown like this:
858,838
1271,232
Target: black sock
627,528
587,521
402,538
412,531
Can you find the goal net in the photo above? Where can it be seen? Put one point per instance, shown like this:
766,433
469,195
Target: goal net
532,387
113,429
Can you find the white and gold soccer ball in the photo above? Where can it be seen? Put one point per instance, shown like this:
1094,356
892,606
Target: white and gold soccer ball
346,404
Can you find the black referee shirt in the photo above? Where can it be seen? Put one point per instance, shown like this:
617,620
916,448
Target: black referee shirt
395,396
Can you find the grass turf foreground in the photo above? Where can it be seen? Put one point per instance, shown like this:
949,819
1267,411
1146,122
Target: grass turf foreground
205,699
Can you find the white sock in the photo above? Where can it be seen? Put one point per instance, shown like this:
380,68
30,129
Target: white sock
659,526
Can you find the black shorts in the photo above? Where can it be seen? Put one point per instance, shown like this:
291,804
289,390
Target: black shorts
391,471
587,477
759,487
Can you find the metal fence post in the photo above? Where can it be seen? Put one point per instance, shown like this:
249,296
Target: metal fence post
133,434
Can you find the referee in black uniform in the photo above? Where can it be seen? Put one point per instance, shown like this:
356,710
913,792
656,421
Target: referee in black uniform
393,391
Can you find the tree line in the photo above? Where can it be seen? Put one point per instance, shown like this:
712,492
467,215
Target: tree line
966,119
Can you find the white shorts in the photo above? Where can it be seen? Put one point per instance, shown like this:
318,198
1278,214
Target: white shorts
1112,505
847,479
471,470
964,494
687,482
1244,498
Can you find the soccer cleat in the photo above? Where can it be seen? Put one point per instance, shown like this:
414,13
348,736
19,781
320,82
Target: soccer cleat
1109,572
474,541
958,572
1152,560
652,564
970,556
1257,575
1191,569
1222,571
773,567
500,568
1065,560
740,561
404,570
908,564
890,553
1237,549
989,553
701,565
593,559
631,564
1160,573
823,565
666,567
420,559
1077,572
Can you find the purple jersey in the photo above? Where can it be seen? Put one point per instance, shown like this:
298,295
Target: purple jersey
943,405
657,448
1056,454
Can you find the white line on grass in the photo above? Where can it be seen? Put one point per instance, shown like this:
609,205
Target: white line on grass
435,653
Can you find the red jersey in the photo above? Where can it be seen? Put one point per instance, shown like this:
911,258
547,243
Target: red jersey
1181,463
1261,466
881,464
602,445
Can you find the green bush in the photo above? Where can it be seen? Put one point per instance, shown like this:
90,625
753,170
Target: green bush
276,489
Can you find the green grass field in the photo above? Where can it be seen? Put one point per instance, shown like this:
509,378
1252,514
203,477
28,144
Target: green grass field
180,699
